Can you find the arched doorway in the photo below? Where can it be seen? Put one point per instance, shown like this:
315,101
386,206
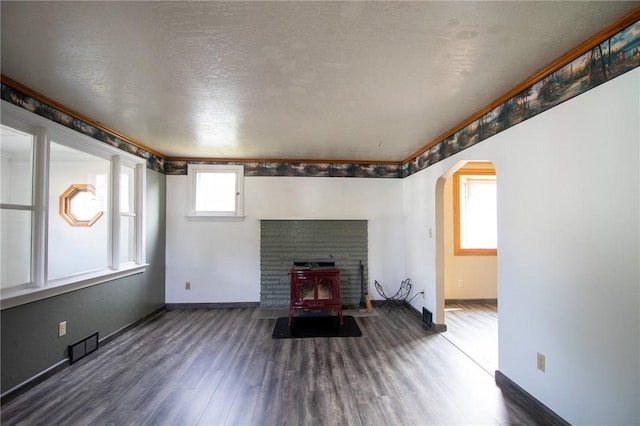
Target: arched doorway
466,279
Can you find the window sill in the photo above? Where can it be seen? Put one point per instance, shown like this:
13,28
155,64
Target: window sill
19,296
475,252
215,218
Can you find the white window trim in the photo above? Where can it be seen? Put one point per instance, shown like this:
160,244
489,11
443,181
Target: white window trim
46,131
193,215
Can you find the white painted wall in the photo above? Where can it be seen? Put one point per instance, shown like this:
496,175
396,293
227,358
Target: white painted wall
222,259
569,258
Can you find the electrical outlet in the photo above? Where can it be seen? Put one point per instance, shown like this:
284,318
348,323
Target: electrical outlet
62,329
541,362
460,283
187,285
422,293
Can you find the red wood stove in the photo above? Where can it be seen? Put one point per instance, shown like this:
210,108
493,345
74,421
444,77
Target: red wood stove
315,289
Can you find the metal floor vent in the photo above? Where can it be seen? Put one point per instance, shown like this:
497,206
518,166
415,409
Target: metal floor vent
427,317
83,348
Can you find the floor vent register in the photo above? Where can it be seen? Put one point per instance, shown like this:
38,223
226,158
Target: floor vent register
82,348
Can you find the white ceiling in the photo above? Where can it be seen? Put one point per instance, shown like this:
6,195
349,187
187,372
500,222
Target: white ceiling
287,80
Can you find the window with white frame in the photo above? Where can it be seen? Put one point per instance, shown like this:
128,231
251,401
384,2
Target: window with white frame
71,209
67,167
475,212
128,213
216,191
17,212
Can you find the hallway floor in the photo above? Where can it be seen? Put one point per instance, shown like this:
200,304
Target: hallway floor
473,328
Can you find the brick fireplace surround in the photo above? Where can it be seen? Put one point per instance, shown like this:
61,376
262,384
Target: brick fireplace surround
282,242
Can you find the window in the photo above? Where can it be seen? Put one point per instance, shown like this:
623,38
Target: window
70,211
79,205
215,192
69,168
128,214
475,212
17,208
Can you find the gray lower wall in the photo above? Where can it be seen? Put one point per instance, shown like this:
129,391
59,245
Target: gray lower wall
283,241
30,342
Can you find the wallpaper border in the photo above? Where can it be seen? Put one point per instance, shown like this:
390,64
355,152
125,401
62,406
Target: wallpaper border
604,62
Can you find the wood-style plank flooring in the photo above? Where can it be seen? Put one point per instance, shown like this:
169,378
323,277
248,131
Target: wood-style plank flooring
221,367
473,328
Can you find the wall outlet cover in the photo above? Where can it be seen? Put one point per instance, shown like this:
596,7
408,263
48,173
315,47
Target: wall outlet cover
541,362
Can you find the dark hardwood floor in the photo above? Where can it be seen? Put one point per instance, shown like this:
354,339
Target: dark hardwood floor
473,328
221,367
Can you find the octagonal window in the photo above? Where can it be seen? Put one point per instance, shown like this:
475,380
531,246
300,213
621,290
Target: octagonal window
79,205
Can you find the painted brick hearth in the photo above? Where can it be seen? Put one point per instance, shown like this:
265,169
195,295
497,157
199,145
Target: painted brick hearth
283,241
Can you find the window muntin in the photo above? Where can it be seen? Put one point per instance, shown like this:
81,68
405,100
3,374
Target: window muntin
475,212
216,191
29,229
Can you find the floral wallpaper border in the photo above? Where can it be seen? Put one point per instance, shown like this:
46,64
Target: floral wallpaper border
608,60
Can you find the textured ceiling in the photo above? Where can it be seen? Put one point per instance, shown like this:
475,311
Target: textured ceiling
287,80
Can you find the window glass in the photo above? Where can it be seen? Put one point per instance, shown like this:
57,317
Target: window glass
15,247
127,238
216,191
16,150
16,198
127,214
127,189
72,249
478,219
475,225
